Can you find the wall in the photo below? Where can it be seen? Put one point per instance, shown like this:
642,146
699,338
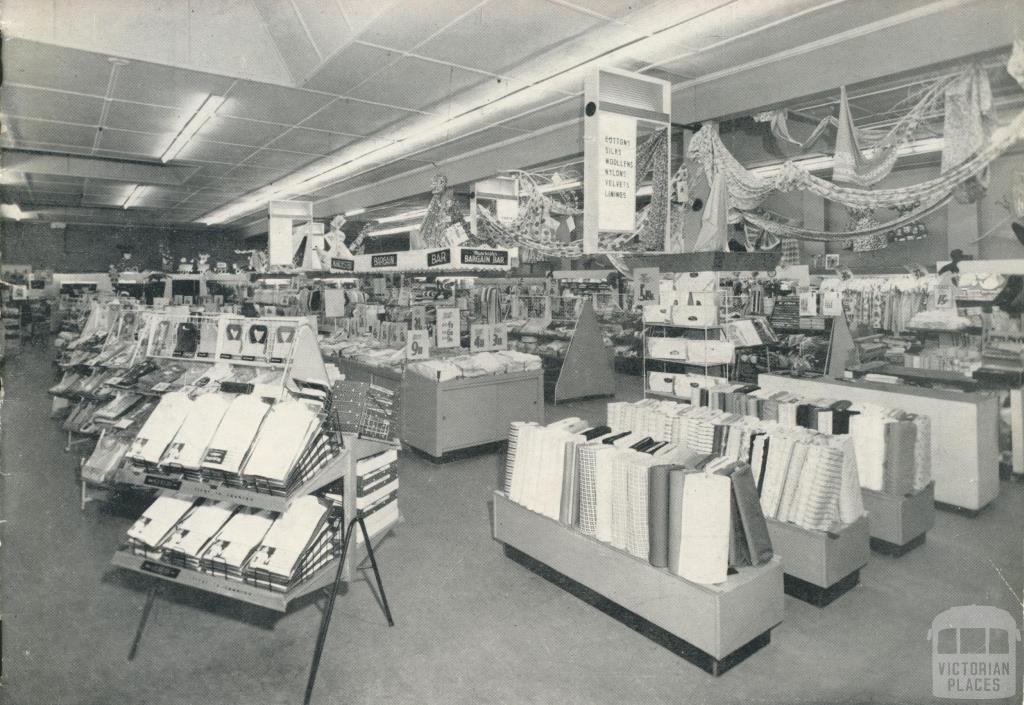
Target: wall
91,248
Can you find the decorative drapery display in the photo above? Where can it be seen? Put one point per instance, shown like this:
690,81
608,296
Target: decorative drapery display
434,222
779,124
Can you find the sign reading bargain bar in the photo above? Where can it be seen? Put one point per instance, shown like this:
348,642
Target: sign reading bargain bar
450,259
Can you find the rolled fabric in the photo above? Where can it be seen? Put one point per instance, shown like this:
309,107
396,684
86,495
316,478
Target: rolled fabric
755,528
658,515
739,554
704,531
676,478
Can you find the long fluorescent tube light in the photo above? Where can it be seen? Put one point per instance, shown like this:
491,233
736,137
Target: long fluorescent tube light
354,211
205,112
393,231
133,197
408,215
12,211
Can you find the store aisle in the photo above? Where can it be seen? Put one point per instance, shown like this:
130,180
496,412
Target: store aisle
471,625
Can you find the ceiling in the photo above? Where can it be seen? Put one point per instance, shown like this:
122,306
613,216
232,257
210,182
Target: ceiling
370,89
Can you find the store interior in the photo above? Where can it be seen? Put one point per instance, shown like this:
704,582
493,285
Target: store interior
536,351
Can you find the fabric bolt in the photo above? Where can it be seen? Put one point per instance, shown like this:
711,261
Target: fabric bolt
637,508
754,527
705,529
658,515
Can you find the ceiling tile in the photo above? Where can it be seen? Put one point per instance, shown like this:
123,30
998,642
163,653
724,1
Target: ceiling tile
240,131
98,187
40,179
8,143
326,24
33,102
484,138
133,143
300,139
350,67
251,175
380,173
501,35
415,83
51,132
169,86
277,159
613,9
360,13
50,66
52,188
408,22
261,101
562,111
356,118
146,118
293,42
208,151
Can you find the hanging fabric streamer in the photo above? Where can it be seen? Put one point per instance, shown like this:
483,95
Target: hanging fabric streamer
850,164
714,229
779,120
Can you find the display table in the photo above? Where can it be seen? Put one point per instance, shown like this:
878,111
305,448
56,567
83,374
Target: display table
965,448
820,566
899,524
386,377
713,626
440,417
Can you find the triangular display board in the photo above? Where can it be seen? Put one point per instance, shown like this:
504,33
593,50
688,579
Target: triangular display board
842,350
589,367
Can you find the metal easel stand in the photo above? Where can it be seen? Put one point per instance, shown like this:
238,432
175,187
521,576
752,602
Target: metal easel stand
325,620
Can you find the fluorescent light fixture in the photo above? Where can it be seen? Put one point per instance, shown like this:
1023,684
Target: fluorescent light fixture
12,211
563,186
394,231
354,211
205,112
408,215
133,197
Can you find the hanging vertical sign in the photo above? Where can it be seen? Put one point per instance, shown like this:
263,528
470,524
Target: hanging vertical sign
479,337
448,328
617,173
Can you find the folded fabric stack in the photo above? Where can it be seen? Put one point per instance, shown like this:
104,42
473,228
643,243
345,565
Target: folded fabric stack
231,547
188,539
804,477
156,523
693,513
159,430
297,544
480,364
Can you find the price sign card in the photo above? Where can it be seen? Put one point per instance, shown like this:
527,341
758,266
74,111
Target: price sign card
499,336
419,318
417,345
479,337
448,328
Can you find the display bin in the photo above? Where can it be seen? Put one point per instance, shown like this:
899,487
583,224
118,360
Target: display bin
359,372
713,626
899,523
820,566
965,454
459,414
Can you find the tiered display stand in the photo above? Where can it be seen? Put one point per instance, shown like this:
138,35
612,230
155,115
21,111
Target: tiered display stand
713,626
292,348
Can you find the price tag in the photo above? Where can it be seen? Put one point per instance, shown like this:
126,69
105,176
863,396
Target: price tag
499,336
419,318
944,298
479,337
417,345
449,328
831,304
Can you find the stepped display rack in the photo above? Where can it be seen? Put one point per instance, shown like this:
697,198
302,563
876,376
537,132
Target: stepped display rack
821,566
291,347
713,626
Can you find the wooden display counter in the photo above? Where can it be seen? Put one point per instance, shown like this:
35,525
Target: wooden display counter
965,449
713,626
441,417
